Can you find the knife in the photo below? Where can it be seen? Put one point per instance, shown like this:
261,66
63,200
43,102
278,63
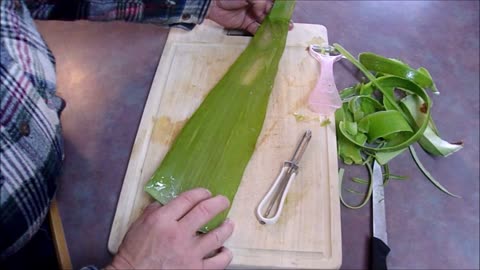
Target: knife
379,240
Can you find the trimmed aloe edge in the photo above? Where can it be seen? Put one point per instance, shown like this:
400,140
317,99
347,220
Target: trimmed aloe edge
430,141
215,145
379,125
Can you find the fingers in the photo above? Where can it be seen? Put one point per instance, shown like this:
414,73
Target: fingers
204,212
231,5
219,261
180,206
260,9
250,25
151,208
253,27
269,6
216,238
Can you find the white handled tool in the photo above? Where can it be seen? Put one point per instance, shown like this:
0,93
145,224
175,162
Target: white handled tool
276,195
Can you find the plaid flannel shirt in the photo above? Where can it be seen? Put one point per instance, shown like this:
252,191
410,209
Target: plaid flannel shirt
31,149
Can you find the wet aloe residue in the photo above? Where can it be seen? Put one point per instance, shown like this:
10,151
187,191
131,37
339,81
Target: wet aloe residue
325,122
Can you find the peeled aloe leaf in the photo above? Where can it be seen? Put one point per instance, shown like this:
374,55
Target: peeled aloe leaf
383,84
427,173
384,157
348,152
430,141
398,68
389,124
427,73
215,145
383,123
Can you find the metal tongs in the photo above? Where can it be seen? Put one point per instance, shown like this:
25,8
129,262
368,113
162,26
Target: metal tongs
277,193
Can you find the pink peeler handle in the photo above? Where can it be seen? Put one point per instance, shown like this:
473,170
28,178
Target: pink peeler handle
324,98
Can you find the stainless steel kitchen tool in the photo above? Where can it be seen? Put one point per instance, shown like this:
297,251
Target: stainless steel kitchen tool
379,240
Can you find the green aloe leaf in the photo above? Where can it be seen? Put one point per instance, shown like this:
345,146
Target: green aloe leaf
215,145
375,110
427,173
430,141
383,84
348,152
378,63
384,157
383,123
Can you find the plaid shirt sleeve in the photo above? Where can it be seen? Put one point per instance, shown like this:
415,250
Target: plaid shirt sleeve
179,13
31,146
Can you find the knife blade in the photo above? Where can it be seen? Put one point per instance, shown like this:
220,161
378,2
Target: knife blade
379,240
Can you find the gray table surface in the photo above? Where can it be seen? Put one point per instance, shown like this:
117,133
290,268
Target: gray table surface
105,71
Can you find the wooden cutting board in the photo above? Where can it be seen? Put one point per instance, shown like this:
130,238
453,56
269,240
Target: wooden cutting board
308,234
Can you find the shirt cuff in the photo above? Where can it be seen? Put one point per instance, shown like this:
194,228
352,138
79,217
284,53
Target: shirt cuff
176,13
195,11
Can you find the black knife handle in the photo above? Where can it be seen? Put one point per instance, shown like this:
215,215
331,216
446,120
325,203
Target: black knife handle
379,254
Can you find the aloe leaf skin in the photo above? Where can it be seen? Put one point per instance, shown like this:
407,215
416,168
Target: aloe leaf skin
215,145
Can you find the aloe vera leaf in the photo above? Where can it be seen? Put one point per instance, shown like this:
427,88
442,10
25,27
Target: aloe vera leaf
427,73
436,146
355,192
365,71
359,180
430,141
387,176
383,123
362,106
397,177
350,91
394,67
386,173
369,190
386,82
215,145
394,144
427,173
385,157
348,152
351,127
409,87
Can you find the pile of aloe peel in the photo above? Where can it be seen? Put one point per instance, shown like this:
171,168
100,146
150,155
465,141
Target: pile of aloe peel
386,115
215,145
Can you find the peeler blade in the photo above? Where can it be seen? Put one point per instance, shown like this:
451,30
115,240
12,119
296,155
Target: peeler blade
301,147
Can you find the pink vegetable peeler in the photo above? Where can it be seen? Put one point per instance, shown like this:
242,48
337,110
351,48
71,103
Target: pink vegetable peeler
324,98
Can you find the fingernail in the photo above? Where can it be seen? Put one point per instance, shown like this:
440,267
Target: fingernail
224,198
230,223
208,191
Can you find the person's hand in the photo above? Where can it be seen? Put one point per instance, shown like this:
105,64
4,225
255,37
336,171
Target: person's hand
165,237
239,14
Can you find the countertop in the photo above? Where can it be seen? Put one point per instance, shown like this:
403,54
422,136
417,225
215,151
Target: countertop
105,71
